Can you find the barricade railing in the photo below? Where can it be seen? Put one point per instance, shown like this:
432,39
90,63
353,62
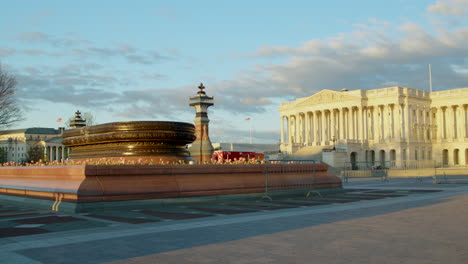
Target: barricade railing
366,169
306,176
419,170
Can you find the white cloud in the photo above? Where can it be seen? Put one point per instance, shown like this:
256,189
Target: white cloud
33,36
6,52
450,8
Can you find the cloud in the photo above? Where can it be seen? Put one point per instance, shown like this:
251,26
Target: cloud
366,58
139,59
35,52
375,54
167,13
33,37
6,52
130,54
450,8
219,132
126,49
153,76
70,42
101,51
167,103
77,47
74,84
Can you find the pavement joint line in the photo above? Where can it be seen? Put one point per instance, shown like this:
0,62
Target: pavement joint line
110,232
405,188
102,220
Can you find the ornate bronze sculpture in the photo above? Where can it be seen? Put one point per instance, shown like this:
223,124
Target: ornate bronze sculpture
157,140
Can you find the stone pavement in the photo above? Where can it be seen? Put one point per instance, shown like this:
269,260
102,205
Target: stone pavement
400,221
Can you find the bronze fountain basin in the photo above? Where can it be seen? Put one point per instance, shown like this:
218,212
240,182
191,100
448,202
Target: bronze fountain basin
148,140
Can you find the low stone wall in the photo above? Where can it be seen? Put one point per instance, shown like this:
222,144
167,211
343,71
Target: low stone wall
92,183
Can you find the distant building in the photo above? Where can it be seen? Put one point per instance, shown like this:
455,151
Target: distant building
17,142
395,125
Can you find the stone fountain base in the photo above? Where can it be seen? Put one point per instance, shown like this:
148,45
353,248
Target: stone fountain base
102,183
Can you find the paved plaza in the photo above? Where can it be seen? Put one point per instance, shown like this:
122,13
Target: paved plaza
409,220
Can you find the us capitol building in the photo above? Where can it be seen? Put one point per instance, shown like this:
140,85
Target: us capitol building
391,125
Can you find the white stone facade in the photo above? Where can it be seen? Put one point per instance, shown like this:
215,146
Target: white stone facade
395,124
17,143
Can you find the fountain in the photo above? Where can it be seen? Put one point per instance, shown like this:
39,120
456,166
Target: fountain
147,140
71,187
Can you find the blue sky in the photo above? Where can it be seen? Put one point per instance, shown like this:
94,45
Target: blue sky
141,60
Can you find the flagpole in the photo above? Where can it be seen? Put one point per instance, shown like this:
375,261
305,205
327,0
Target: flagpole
248,119
430,78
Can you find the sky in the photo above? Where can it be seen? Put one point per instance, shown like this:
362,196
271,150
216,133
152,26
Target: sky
143,59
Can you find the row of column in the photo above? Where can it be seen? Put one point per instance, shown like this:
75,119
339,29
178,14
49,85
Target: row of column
56,153
452,122
348,123
411,157
378,123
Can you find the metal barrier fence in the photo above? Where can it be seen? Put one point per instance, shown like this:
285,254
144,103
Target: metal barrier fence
361,169
414,169
306,176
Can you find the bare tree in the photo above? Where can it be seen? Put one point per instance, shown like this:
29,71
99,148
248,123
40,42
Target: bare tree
9,111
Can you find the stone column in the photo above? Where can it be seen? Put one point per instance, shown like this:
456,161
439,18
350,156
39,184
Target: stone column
338,124
376,122
366,123
323,128
332,124
392,121
292,129
456,122
328,126
301,128
282,129
292,123
304,123
439,123
401,122
316,129
343,124
297,128
360,124
350,123
462,124
370,110
409,113
384,122
464,121
444,122
306,128
449,123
